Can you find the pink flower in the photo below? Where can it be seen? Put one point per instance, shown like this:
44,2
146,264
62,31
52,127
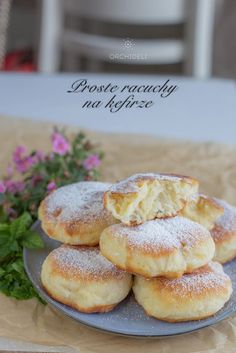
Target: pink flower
22,162
23,165
59,144
10,186
39,156
91,162
14,186
19,186
51,186
2,187
18,153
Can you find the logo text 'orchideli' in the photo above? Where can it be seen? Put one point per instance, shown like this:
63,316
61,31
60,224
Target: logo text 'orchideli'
128,51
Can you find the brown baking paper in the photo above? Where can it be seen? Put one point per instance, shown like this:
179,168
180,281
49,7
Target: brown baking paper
213,164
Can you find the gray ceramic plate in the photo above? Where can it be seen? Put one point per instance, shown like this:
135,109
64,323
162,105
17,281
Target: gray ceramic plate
128,318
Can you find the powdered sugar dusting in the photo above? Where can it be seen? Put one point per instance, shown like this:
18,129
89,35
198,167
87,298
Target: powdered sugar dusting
162,234
129,184
228,219
83,200
207,277
186,231
84,262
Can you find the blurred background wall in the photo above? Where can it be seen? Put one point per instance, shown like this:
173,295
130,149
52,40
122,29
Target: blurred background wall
185,37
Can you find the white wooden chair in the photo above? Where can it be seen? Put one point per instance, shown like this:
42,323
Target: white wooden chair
194,49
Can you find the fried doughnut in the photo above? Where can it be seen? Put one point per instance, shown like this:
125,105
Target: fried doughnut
83,279
144,197
202,209
74,214
194,296
224,233
163,247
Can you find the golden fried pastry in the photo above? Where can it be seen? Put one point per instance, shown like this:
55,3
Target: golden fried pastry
194,296
163,247
202,209
144,197
83,279
74,214
224,233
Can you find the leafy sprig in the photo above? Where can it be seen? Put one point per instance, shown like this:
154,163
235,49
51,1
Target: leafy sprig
13,237
40,174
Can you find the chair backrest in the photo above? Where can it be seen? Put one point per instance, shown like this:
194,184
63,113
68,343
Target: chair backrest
161,12
193,48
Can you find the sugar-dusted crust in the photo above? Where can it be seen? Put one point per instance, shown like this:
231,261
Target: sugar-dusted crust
194,296
224,233
131,184
83,279
74,214
143,197
162,247
203,209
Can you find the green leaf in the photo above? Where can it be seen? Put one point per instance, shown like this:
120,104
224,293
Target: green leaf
5,246
4,251
32,240
19,226
8,247
22,292
3,215
14,281
1,198
18,266
4,227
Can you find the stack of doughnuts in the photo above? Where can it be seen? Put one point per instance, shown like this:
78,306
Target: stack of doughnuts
76,274
153,233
